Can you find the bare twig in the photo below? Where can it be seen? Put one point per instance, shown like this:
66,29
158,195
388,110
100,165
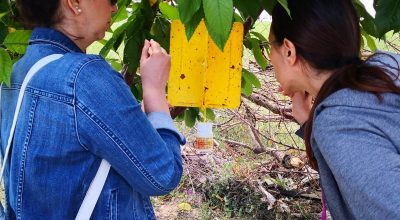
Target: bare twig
253,131
264,136
270,198
392,45
235,143
261,101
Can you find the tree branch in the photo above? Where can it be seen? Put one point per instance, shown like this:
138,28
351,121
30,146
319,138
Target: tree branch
262,101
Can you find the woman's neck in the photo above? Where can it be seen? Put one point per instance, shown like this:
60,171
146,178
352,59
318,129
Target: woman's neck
70,33
316,81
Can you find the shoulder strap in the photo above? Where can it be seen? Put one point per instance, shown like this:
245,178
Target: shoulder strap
34,69
93,193
96,186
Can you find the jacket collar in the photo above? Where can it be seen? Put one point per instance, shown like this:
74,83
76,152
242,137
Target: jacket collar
51,36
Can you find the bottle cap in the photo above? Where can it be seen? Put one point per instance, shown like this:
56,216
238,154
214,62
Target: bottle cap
204,129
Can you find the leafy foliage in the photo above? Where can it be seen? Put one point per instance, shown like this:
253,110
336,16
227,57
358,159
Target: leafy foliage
248,81
17,41
187,9
387,16
5,67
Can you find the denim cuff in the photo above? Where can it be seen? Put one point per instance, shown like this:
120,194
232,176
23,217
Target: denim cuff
161,120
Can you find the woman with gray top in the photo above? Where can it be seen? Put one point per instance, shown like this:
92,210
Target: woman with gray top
352,135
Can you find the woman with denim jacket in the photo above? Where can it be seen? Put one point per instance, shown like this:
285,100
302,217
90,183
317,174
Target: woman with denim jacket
352,135
77,111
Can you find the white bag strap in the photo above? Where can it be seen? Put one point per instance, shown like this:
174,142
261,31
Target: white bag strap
96,186
36,67
93,193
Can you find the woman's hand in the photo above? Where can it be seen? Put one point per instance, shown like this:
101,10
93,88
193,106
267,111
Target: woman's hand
301,106
155,64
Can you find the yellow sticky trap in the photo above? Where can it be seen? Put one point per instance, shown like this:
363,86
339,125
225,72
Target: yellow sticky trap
201,74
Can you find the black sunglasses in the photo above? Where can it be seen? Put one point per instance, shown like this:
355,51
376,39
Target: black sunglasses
113,2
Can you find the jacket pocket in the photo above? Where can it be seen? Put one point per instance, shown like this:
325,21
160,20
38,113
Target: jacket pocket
113,205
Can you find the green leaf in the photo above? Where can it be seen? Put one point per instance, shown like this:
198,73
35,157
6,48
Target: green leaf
4,5
135,36
258,54
180,117
190,116
3,14
366,20
122,14
285,6
112,41
259,36
17,41
247,87
268,5
251,8
3,32
148,14
247,43
237,18
136,89
123,3
251,78
118,42
136,23
188,8
190,27
132,52
210,114
5,66
370,41
387,16
170,11
116,65
161,32
219,16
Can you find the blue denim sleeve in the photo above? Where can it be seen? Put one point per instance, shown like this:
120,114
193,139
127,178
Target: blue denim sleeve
362,164
161,120
145,150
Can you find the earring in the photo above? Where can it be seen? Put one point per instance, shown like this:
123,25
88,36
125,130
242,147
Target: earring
78,9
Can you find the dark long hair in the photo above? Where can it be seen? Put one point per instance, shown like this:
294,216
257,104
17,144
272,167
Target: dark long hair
326,35
38,13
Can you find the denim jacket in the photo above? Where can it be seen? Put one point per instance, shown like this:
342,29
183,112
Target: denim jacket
76,111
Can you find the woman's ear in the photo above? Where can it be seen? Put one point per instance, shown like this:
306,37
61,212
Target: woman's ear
74,6
289,51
